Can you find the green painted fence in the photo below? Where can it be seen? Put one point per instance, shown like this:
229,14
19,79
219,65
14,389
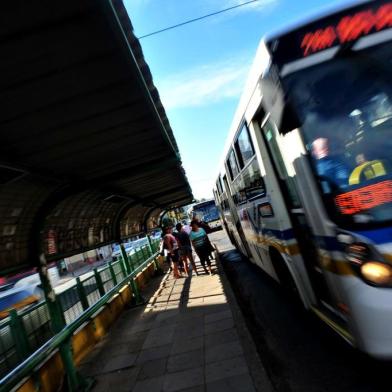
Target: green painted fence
25,331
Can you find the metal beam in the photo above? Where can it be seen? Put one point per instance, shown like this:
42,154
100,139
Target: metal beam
110,12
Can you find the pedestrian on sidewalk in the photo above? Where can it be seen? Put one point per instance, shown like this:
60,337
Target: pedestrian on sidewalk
185,247
172,247
206,227
163,250
201,243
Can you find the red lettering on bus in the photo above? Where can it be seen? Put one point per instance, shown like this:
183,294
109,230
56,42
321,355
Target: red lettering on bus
319,40
348,29
384,17
364,198
351,27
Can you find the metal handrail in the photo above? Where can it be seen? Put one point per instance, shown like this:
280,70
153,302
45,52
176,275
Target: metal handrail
25,368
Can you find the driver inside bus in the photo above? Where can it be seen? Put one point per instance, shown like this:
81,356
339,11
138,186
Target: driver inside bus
366,170
328,167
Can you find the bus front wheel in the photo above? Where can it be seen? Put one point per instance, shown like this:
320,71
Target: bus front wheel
282,271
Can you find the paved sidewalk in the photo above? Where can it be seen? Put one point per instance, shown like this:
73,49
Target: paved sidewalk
185,339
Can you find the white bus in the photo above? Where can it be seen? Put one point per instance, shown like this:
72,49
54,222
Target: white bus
305,186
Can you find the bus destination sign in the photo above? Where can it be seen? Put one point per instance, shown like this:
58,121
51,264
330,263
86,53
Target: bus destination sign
349,28
342,28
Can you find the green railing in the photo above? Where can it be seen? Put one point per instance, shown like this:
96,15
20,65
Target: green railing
24,332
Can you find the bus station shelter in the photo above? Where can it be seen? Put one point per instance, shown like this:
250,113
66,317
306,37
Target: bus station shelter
87,154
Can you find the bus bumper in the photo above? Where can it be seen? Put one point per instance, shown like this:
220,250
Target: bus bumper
371,311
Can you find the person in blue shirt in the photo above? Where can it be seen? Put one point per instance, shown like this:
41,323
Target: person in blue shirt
200,242
328,167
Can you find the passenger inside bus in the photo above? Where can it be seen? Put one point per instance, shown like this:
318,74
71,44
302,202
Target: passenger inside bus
329,168
350,147
345,108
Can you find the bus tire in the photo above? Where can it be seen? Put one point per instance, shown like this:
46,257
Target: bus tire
282,271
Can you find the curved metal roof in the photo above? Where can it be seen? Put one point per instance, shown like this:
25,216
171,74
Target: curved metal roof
87,152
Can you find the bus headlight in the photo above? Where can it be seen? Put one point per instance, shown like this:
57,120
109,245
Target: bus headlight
377,273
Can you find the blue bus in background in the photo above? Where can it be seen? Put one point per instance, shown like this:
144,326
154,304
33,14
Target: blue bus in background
208,212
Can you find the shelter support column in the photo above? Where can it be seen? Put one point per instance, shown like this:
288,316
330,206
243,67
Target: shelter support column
75,381
134,286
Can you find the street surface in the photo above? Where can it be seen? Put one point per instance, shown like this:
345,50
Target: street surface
299,352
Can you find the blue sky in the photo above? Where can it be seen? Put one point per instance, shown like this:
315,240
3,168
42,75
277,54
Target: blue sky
201,68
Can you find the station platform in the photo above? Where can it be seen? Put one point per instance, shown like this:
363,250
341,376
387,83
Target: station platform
190,336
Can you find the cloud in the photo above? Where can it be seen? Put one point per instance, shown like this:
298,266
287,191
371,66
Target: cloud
205,84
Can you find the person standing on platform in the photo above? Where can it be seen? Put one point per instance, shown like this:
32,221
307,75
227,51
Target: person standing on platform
186,227
206,227
185,247
172,247
201,243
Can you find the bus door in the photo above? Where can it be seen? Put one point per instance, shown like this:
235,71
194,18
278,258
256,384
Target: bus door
303,232
241,241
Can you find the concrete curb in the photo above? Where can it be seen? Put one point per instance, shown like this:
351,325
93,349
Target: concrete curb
262,382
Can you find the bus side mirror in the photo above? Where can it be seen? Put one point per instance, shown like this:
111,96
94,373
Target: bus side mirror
290,119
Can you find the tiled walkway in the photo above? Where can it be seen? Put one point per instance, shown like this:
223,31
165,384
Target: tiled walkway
185,339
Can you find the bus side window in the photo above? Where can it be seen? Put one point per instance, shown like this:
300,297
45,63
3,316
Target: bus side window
224,205
232,165
221,187
244,147
223,184
270,133
249,184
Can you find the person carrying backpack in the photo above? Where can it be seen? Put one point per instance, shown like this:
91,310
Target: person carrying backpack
201,244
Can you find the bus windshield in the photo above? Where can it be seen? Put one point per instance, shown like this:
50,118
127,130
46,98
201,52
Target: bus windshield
345,108
207,211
